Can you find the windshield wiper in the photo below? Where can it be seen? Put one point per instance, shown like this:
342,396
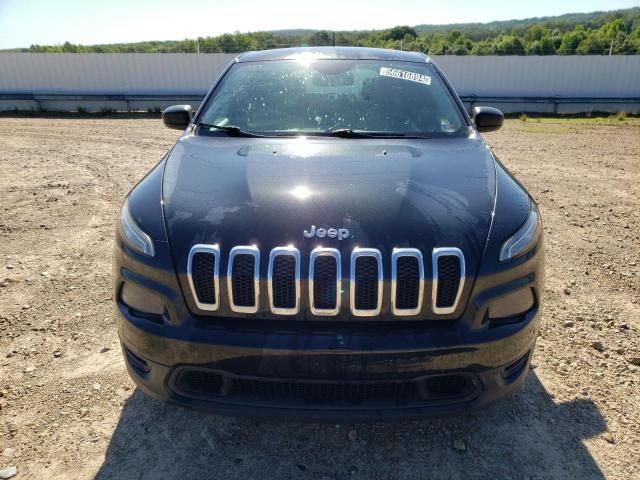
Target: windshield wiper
349,133
230,130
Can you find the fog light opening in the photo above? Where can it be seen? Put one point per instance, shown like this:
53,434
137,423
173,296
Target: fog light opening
200,382
137,363
512,371
512,306
448,386
142,300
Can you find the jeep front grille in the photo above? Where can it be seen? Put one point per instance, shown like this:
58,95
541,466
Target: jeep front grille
366,280
407,286
448,274
325,280
243,278
284,280
203,268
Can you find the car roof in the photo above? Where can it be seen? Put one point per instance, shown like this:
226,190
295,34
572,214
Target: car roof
342,53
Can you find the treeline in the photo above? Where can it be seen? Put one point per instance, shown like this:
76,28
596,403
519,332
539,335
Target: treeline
616,33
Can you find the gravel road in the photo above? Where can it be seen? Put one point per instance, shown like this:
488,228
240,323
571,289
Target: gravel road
69,410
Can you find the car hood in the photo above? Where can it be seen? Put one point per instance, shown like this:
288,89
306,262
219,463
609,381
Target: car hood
387,193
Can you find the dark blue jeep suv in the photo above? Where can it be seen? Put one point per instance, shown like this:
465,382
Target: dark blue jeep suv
330,238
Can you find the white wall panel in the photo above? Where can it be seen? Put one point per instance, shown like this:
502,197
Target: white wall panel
192,74
136,73
531,76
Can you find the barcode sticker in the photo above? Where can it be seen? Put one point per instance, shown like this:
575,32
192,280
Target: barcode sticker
405,75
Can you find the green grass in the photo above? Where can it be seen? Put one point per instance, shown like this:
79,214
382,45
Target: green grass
562,124
619,118
537,127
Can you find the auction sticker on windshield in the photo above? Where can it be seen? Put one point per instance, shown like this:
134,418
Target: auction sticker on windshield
405,75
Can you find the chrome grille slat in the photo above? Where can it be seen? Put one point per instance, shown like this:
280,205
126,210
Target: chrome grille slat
237,279
403,286
315,283
213,251
367,292
281,279
443,304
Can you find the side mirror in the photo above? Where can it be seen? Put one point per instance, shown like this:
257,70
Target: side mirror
177,116
487,119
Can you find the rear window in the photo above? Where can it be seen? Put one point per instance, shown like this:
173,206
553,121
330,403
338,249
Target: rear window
289,97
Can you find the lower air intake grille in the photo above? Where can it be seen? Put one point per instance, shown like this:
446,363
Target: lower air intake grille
366,278
407,283
210,384
448,280
316,392
284,281
448,386
324,283
202,270
199,382
242,280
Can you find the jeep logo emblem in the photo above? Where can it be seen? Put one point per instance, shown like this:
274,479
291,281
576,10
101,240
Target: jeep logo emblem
339,233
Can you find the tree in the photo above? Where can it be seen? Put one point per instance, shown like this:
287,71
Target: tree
571,40
398,33
483,47
543,46
592,44
596,34
510,45
536,32
69,48
320,38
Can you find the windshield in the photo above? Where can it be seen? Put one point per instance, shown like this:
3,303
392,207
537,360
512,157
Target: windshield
374,97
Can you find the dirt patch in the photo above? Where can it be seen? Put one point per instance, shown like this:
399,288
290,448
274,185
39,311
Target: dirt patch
69,410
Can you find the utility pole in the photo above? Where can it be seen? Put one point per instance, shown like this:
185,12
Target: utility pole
334,39
401,44
611,47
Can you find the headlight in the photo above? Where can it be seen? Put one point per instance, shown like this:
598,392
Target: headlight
522,240
133,235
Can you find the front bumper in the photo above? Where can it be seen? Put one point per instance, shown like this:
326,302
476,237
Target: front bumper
496,365
285,360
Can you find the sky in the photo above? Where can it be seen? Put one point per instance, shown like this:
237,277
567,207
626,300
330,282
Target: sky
47,22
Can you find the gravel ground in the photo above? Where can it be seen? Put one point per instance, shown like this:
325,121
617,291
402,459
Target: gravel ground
69,410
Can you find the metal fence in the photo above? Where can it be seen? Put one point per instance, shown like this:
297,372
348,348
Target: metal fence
59,81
